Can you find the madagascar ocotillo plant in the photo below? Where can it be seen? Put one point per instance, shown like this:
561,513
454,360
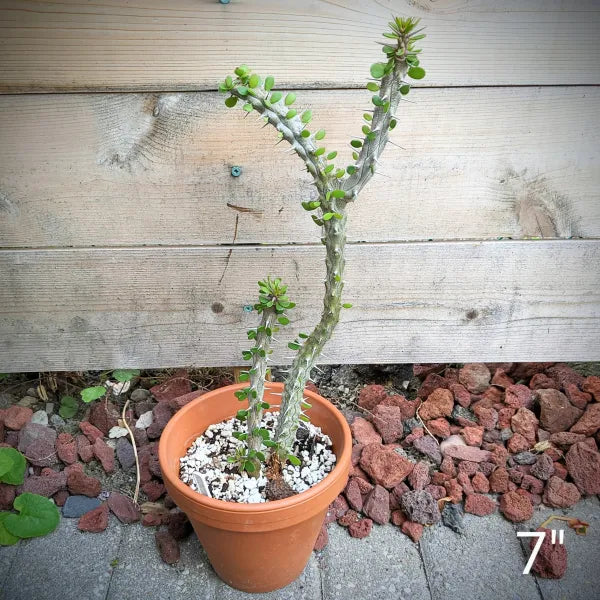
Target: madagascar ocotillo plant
336,186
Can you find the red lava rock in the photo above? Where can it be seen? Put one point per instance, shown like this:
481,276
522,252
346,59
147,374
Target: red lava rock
361,529
518,443
353,494
515,507
161,414
181,401
65,448
454,491
41,453
154,490
560,470
388,422
468,467
560,494
356,452
400,489
583,465
358,473
95,520
384,466
565,375
486,417
168,547
154,467
60,497
499,481
364,432
517,396
461,394
350,517
105,454
84,448
377,505
525,423
398,518
589,423
370,396
421,370
504,417
364,486
322,539
551,561
419,476
80,483
501,379
91,433
7,496
591,385
151,520
428,446
413,530
451,375
415,434
577,397
487,468
479,505
437,491
465,483
532,484
179,525
499,455
172,388
408,408
420,507
438,478
468,453
475,377
480,483
16,417
104,416
339,506
439,427
556,412
543,468
541,381
431,382
528,370
473,436
123,508
46,485
448,467
438,404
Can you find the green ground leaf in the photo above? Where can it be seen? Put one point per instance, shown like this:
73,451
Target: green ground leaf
124,375
68,407
92,393
37,516
12,466
6,538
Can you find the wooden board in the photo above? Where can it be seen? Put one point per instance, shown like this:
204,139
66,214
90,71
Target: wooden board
189,44
103,170
434,302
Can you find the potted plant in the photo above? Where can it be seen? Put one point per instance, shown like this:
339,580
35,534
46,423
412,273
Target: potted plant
263,546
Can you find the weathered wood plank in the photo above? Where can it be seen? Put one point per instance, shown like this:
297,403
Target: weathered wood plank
186,44
101,169
432,302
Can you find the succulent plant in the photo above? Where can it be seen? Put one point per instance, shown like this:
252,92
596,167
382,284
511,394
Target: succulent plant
336,187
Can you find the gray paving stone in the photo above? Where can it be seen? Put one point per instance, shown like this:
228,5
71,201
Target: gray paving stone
486,563
7,557
140,573
384,565
65,565
582,579
306,587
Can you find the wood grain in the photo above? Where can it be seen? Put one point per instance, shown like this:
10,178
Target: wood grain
72,45
135,169
413,302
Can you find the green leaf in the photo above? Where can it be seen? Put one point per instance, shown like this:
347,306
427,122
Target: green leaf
241,414
356,144
304,418
294,460
404,89
294,346
338,193
265,405
239,436
377,101
37,516
269,443
366,129
329,168
12,466
320,134
338,216
6,538
340,173
291,113
244,377
347,305
305,133
242,90
306,116
331,155
68,407
231,101
350,169
290,99
254,80
372,86
416,72
317,220
228,82
247,107
241,71
377,70
319,151
252,334
327,216
241,394
249,466
124,375
269,83
283,320
247,354
92,393
393,124
275,97
355,154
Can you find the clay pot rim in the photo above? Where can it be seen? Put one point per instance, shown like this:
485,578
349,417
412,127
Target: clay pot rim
263,507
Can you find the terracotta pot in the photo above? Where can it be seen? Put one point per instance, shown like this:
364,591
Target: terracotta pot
253,547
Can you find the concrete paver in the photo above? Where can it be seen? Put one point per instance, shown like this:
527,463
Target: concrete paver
7,557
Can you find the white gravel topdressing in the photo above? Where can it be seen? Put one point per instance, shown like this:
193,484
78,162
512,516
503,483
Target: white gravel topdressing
206,470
